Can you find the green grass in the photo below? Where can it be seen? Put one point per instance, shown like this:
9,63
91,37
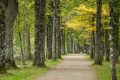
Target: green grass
103,72
28,73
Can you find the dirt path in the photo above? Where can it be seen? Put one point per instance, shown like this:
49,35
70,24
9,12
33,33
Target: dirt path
73,67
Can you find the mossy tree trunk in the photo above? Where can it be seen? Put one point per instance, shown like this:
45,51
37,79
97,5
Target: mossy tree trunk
113,26
2,36
54,31
58,30
49,37
98,49
39,53
11,13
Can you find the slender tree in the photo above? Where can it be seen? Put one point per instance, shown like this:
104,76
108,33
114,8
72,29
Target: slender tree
63,41
40,8
107,46
58,30
54,30
49,37
92,53
98,51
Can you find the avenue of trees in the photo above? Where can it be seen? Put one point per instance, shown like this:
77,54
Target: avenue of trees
40,30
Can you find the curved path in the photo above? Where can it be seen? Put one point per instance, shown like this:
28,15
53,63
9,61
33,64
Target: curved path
73,67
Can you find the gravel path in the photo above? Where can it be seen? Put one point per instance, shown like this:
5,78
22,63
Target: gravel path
73,67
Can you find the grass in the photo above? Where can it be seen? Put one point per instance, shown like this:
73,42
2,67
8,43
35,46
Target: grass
103,72
28,73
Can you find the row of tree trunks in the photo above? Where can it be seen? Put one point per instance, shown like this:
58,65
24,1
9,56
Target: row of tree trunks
53,31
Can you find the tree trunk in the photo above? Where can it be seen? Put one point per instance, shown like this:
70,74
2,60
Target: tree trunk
2,36
71,43
113,26
92,53
98,49
63,41
28,45
49,37
40,8
103,48
107,46
11,14
54,31
58,29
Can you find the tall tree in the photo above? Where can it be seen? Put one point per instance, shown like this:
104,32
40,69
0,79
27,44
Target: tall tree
40,10
49,37
11,13
92,53
98,51
113,25
54,30
116,14
50,31
58,30
2,36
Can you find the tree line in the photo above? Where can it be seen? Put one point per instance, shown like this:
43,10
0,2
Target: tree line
46,29
31,27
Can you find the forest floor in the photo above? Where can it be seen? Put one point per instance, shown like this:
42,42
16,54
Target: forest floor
73,67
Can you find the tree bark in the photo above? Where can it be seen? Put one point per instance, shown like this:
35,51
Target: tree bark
107,46
98,49
71,43
113,25
28,45
49,37
92,53
40,10
54,31
63,41
58,29
2,36
11,14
